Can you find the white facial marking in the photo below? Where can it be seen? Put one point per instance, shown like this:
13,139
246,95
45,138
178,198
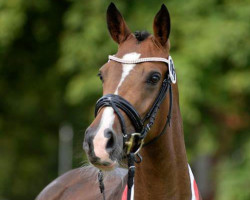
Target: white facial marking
126,68
108,116
100,140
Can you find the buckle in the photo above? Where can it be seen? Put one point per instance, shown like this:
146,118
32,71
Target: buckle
130,143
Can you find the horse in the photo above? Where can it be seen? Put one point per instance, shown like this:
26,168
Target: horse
138,115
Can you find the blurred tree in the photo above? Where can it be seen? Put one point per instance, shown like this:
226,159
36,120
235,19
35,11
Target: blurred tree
31,91
50,53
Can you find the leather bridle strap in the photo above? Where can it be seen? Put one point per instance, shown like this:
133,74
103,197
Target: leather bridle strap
166,86
116,102
167,121
153,112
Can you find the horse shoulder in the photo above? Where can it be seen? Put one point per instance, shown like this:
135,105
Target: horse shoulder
82,183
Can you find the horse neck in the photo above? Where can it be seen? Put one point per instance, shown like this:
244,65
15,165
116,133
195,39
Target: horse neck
163,173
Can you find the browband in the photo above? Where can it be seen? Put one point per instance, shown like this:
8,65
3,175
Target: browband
140,60
168,61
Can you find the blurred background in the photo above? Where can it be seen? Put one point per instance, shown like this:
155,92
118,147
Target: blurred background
50,53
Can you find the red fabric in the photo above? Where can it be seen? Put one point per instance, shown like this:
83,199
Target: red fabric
196,191
125,193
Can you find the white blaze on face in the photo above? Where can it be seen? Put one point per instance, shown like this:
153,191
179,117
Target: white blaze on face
100,140
126,68
108,116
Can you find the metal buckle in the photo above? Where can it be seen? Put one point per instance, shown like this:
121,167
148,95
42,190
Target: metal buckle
131,142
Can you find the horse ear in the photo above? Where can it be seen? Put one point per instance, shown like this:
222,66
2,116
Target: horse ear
118,29
161,25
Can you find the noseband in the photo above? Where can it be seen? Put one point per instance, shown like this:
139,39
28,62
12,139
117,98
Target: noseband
135,141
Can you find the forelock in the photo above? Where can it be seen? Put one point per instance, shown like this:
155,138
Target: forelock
141,35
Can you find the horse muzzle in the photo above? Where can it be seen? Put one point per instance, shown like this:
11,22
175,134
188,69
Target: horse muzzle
103,148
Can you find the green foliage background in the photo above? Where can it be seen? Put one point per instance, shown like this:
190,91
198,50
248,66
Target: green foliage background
50,53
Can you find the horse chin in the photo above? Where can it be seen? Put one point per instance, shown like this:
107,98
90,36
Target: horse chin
106,166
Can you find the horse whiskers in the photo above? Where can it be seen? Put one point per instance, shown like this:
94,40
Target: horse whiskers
88,170
122,163
116,173
84,163
119,172
116,154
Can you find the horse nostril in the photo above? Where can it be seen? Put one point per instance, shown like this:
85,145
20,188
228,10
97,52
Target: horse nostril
110,143
111,139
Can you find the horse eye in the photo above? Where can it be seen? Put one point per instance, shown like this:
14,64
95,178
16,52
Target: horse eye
154,79
100,76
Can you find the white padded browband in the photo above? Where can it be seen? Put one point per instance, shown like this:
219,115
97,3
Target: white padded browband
140,60
168,61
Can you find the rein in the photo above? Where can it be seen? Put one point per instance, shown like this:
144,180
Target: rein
135,141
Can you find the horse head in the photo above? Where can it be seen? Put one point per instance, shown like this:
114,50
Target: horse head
138,84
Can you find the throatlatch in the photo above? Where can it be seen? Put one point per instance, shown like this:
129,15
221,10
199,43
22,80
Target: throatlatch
135,141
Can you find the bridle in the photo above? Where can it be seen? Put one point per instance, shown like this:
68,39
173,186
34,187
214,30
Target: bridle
117,102
135,141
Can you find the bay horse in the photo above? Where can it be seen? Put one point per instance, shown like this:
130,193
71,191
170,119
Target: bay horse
138,116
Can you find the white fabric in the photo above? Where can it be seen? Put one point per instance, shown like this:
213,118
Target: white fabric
191,182
132,192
